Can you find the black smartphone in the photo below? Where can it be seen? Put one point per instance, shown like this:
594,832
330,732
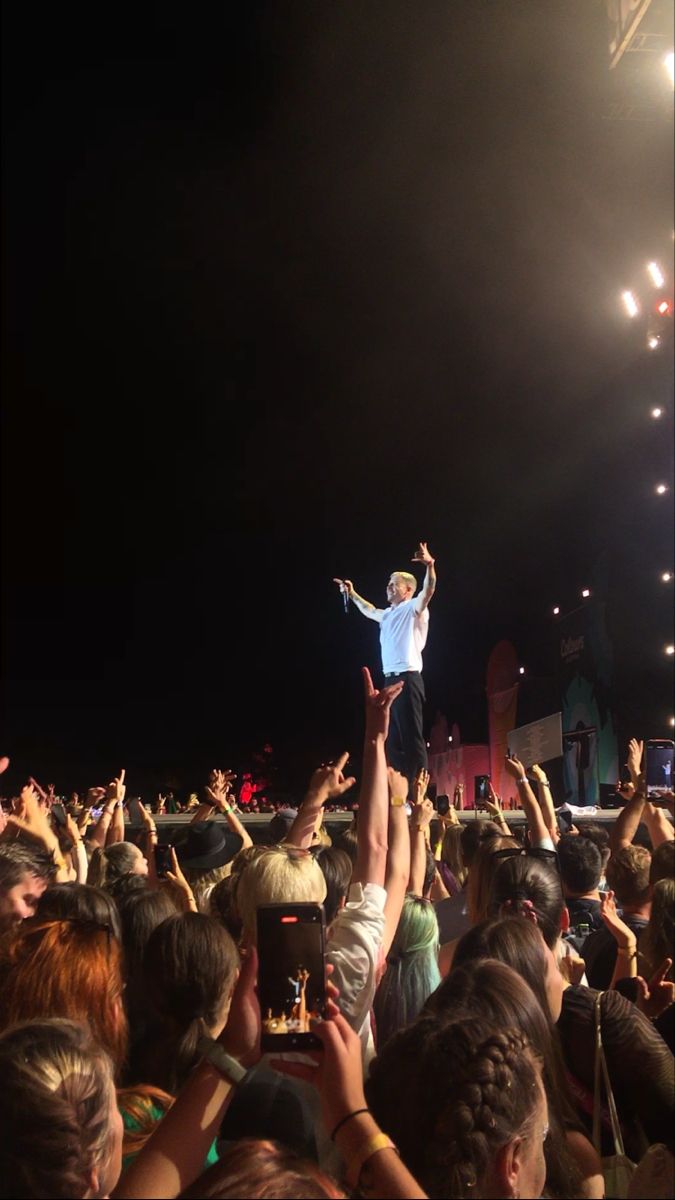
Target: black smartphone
481,792
163,860
59,813
442,805
659,765
291,974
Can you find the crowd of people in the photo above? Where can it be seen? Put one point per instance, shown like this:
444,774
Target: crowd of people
499,1008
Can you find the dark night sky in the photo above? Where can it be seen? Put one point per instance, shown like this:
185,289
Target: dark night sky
288,288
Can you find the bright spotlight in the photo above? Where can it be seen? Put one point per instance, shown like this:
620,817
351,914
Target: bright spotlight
556,610
661,489
656,274
668,64
671,722
653,342
667,576
521,670
656,413
450,738
670,650
630,304
586,593
663,308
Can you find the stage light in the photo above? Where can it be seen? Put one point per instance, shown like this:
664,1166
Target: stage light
586,593
556,610
656,274
661,489
670,650
671,722
521,670
630,303
668,64
656,413
653,342
667,576
450,738
664,308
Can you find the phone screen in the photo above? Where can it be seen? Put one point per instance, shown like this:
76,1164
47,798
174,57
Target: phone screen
481,791
291,974
162,860
659,765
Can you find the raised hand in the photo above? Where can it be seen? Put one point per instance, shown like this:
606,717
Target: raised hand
378,705
422,555
420,785
623,936
4,763
657,995
241,1035
634,763
328,781
178,880
398,784
116,789
345,585
494,804
95,797
514,767
219,785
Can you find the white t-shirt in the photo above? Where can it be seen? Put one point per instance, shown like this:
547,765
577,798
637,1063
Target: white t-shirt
403,635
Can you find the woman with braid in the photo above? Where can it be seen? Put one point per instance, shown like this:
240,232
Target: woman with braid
474,1119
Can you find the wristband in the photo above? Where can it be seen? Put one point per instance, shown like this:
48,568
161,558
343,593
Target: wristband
357,1113
397,801
371,1146
523,779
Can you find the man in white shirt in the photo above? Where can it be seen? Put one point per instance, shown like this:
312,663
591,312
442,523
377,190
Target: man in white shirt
403,633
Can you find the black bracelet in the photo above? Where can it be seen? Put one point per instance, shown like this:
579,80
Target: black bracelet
357,1112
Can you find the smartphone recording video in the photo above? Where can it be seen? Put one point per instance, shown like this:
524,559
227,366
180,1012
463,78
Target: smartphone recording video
481,790
291,974
162,860
659,766
442,805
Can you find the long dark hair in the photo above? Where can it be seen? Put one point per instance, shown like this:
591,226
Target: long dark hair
527,880
494,990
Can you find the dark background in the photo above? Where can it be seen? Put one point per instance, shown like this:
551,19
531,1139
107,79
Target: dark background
288,288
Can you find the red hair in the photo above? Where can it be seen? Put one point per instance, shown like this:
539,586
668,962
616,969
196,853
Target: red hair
70,968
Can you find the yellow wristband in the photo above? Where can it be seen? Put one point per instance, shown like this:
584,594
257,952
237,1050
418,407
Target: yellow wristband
371,1146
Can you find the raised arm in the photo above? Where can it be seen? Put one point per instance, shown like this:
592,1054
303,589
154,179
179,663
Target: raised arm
659,827
626,825
326,783
546,801
422,555
398,856
371,854
217,791
537,826
369,610
420,833
116,791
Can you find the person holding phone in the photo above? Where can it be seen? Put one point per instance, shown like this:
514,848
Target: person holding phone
404,627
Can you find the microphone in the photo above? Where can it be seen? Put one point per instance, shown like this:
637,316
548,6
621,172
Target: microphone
345,598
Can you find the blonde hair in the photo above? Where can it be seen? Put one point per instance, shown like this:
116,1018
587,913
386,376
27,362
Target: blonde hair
277,875
408,579
56,1108
451,853
203,882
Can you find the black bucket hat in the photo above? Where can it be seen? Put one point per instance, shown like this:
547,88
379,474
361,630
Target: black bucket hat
207,846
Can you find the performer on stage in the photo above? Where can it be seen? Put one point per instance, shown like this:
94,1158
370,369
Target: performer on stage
403,633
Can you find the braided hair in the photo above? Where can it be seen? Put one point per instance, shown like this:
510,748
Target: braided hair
470,1088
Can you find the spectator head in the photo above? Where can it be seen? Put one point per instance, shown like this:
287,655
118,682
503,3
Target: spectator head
529,886
69,968
482,869
519,944
25,872
205,856
451,852
580,865
276,875
656,943
190,968
473,833
220,907
336,867
475,1116
599,835
348,841
628,876
663,863
279,827
110,864
61,1129
79,900
141,911
262,1170
412,969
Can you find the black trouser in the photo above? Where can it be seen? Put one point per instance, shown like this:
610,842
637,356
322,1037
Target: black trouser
406,748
